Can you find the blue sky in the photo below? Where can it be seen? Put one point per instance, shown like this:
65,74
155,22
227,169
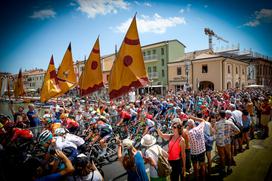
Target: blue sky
31,31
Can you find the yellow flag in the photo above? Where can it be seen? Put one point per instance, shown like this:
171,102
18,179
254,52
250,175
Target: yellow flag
66,73
91,78
19,85
50,86
128,69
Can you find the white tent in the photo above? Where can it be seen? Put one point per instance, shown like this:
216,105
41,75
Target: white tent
254,86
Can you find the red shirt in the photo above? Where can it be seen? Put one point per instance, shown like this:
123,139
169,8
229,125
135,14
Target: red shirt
125,115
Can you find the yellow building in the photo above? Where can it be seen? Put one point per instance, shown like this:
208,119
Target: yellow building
205,69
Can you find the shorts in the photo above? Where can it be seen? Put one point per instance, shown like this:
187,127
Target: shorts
240,135
208,147
245,130
198,158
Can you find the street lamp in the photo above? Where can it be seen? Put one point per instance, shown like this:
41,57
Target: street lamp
187,65
151,81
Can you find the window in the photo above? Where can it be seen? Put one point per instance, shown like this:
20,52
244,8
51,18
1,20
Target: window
144,53
162,71
204,68
236,70
228,69
154,52
148,52
149,69
154,69
162,51
162,62
178,70
243,71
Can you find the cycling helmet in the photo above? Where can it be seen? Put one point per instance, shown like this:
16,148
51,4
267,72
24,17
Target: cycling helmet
59,131
45,136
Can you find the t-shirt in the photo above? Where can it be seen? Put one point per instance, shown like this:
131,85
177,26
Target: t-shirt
197,140
153,152
141,172
34,121
95,174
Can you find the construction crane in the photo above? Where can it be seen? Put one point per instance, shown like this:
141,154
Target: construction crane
210,33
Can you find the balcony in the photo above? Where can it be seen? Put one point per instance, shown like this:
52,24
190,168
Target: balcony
153,75
151,58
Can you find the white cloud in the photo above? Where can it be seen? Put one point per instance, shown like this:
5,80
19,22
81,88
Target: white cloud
155,24
147,4
181,11
206,6
262,16
94,7
43,14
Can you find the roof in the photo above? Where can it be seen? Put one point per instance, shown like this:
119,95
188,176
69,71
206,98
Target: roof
162,42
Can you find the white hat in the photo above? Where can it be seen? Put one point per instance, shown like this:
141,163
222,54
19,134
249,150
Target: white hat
127,143
148,140
176,120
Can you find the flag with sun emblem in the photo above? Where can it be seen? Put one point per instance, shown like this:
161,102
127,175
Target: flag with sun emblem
128,69
66,74
50,86
91,78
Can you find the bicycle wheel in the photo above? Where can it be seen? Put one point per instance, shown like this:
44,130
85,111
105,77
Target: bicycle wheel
111,155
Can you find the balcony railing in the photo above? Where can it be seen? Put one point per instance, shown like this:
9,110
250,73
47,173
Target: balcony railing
150,57
153,75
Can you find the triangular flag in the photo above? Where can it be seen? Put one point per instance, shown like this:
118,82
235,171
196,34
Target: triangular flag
50,86
4,85
19,85
66,73
91,78
128,69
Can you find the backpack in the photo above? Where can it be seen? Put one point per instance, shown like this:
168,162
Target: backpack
164,168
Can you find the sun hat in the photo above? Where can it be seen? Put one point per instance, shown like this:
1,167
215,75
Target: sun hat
127,143
176,120
148,140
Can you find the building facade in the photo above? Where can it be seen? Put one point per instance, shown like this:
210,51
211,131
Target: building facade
207,70
263,72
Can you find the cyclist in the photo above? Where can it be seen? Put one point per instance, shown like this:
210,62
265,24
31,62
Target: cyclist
104,133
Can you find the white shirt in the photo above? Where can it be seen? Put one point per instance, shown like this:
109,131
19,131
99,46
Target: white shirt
197,140
96,177
154,154
237,114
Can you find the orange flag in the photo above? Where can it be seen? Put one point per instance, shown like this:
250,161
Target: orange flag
128,69
50,86
91,78
66,73
19,85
